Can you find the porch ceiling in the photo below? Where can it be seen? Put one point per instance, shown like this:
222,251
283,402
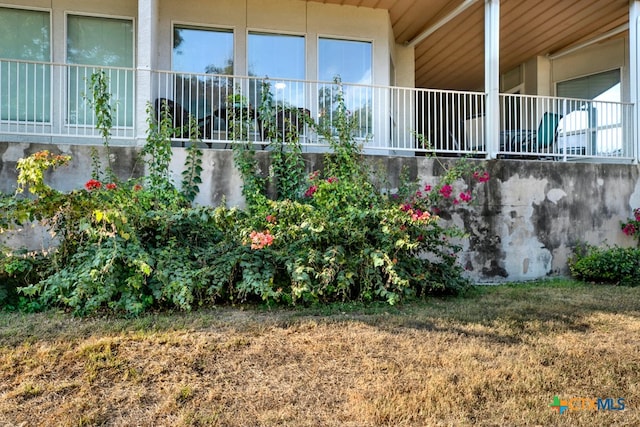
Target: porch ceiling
452,57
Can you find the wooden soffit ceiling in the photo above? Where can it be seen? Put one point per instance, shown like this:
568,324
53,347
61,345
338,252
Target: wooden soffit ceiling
452,57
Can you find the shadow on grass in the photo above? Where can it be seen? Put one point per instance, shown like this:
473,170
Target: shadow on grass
501,314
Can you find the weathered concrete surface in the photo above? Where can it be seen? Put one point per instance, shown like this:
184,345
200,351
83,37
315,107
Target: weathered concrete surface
522,225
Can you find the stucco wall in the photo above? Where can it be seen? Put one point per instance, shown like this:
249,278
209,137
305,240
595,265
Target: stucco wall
523,226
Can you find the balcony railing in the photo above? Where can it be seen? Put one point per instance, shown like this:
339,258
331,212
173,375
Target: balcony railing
51,102
45,101
565,128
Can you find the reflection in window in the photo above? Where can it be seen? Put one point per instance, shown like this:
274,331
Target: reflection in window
350,61
24,87
594,128
94,43
199,51
281,58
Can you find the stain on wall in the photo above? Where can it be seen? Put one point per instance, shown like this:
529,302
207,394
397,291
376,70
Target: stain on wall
522,225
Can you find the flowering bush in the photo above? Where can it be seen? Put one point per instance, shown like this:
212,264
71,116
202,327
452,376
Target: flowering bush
139,244
32,170
260,240
632,226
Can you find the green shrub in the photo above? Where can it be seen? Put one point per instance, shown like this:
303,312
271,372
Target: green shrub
17,269
127,247
614,265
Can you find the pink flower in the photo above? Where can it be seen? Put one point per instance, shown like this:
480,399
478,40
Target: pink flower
636,213
419,194
465,196
111,186
313,175
260,239
310,191
629,229
271,218
406,207
456,201
332,179
92,184
418,215
446,191
484,177
427,188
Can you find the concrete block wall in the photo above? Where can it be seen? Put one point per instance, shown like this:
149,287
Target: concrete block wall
523,224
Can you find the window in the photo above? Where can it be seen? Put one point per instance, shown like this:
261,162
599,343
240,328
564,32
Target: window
25,82
351,62
347,59
281,58
94,43
596,127
199,51
590,87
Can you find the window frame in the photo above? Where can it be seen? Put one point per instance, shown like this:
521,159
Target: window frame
203,27
67,100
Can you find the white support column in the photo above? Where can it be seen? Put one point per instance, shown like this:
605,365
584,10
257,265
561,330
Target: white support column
492,76
145,62
634,73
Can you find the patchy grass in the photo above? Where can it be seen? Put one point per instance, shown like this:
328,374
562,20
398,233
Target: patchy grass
495,357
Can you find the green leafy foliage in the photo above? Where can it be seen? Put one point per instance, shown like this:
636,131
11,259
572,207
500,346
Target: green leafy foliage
191,176
31,171
157,150
127,247
281,128
100,102
613,265
17,269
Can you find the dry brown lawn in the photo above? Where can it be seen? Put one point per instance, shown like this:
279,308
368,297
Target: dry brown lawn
495,358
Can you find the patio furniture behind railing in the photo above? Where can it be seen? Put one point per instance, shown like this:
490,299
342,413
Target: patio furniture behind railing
47,102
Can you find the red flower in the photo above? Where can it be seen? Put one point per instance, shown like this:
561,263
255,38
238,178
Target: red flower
92,184
271,218
332,179
629,229
465,196
406,207
484,177
111,186
137,187
446,191
427,188
310,191
636,213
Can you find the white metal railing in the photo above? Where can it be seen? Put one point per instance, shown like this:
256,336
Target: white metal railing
388,119
565,128
39,99
49,100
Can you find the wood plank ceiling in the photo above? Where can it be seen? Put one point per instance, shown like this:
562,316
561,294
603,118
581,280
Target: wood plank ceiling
453,56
